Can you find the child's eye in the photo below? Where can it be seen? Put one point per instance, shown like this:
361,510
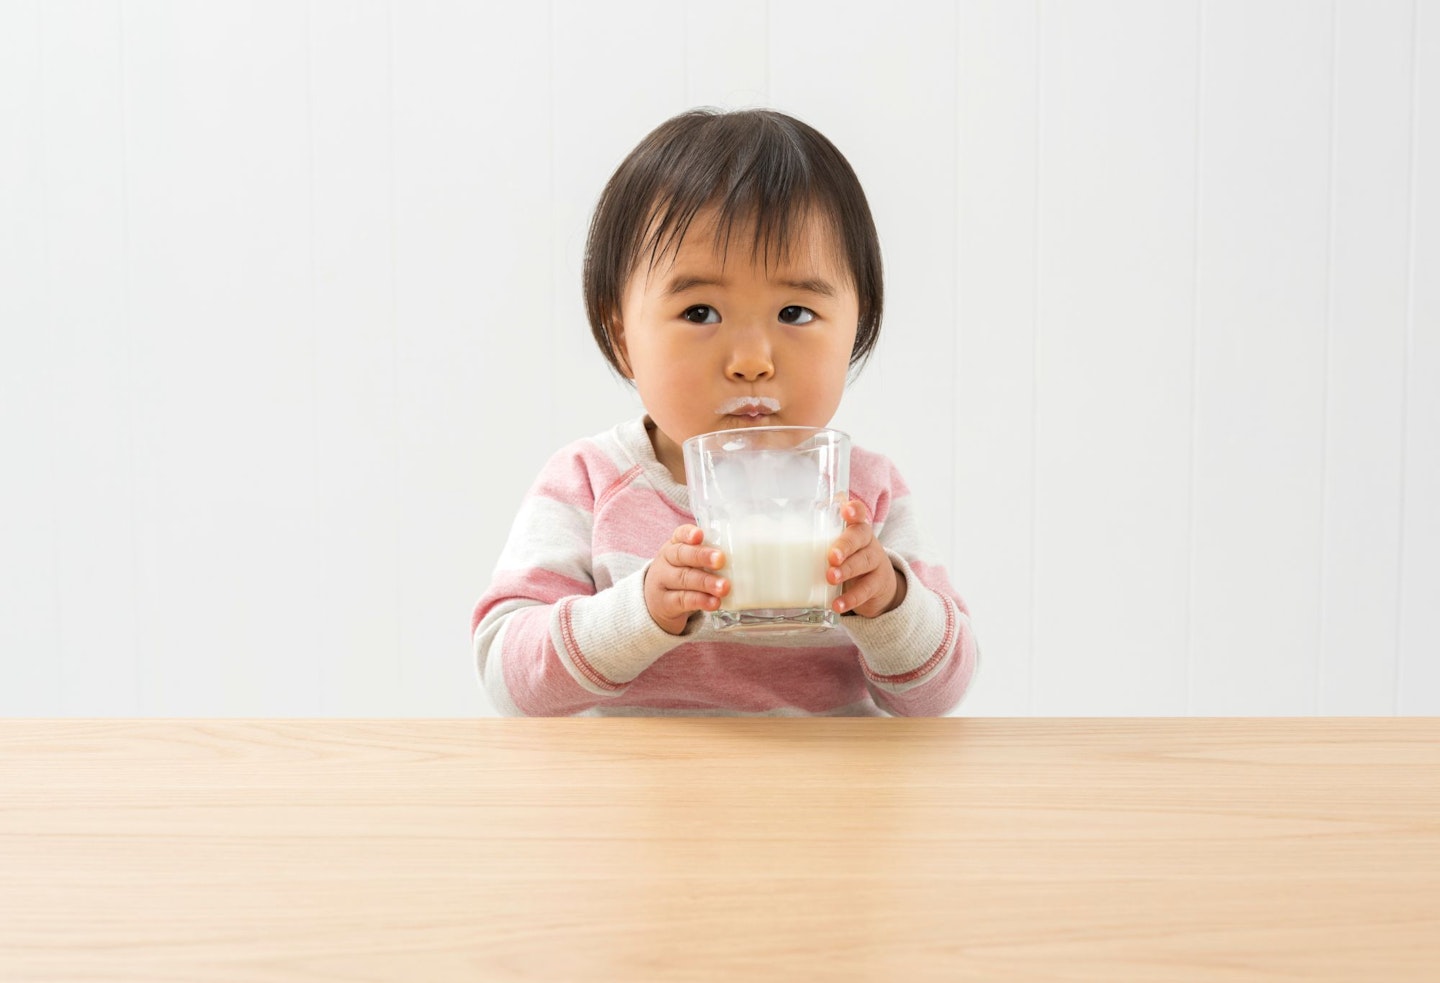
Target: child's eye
701,314
796,315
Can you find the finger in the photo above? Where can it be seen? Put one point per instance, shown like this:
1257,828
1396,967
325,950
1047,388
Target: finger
682,555
690,579
860,592
854,539
688,534
677,602
857,564
668,577
855,511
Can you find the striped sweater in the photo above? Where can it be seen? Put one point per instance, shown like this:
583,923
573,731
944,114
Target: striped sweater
563,628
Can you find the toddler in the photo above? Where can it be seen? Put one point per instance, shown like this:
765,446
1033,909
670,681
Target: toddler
733,275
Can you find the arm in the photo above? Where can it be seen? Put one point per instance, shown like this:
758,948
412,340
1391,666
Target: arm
546,642
917,649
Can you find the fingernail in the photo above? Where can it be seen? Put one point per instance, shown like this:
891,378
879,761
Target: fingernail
840,605
714,559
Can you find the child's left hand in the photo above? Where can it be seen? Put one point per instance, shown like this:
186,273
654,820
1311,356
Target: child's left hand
872,584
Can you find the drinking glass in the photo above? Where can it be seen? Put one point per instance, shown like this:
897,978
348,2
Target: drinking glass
771,499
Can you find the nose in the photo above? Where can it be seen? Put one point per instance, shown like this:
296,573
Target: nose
751,358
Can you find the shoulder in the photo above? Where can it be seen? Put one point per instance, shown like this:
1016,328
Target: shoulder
584,470
875,480
871,469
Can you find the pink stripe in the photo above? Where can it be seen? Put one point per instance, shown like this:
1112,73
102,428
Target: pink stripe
637,520
940,692
535,675
616,486
874,480
576,476
749,678
536,584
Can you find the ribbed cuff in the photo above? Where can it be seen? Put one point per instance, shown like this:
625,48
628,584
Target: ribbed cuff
906,644
610,636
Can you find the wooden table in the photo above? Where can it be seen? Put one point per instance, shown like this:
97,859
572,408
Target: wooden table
720,849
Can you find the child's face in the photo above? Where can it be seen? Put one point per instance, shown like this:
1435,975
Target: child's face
714,343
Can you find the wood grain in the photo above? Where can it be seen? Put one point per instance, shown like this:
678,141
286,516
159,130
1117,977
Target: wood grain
705,849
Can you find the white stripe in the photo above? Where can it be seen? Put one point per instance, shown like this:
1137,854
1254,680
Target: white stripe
550,535
612,446
902,533
611,568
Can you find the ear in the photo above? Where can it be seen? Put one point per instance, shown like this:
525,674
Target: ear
622,355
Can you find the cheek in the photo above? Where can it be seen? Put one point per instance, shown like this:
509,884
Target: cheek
821,381
669,373
837,351
671,360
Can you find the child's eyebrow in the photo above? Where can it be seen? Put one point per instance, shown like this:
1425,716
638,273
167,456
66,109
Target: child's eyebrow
683,283
814,285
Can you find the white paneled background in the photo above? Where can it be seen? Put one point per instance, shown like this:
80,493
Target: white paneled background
291,315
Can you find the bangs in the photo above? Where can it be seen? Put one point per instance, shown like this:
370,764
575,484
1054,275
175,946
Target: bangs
773,218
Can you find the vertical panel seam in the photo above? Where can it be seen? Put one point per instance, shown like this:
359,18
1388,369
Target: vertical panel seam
553,438
768,28
1322,592
956,337
321,675
1396,707
397,470
1195,320
137,641
1035,373
57,674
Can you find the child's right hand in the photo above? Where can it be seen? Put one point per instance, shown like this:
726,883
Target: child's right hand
679,581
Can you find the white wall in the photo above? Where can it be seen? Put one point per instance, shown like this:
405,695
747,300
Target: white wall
291,315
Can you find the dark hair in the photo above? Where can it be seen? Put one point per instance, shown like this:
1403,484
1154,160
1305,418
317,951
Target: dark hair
759,167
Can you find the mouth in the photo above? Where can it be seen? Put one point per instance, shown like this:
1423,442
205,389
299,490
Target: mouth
749,407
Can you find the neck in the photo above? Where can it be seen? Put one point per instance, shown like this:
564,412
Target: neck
667,452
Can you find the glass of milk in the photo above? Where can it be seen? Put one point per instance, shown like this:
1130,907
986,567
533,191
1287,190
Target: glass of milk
770,498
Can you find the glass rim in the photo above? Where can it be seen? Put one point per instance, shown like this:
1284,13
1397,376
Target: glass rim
778,428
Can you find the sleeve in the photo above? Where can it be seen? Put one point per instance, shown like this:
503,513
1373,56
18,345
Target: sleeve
546,642
920,658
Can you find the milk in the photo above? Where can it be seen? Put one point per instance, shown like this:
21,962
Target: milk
776,561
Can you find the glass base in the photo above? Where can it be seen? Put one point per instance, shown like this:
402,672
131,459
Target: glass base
775,620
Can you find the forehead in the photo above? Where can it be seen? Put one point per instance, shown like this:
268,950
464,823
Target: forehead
810,244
